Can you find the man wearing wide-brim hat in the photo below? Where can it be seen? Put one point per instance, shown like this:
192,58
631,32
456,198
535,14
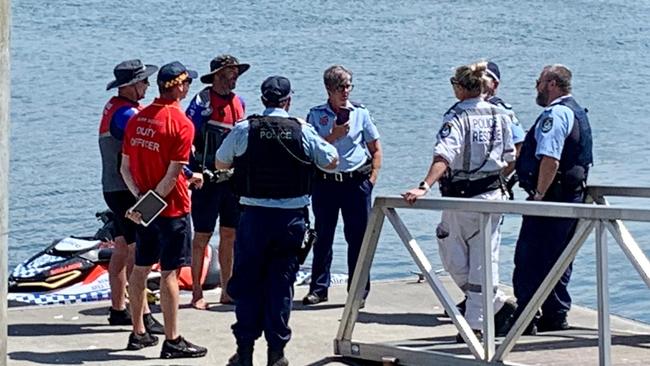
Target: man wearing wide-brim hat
131,81
214,111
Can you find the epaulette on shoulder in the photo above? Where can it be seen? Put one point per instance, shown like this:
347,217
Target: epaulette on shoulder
454,108
358,105
319,107
498,102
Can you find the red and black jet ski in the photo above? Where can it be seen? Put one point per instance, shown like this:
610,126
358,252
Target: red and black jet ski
75,269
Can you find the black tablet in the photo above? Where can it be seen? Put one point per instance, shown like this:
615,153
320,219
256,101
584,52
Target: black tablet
149,206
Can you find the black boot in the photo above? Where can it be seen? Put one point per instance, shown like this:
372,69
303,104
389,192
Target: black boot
276,358
243,357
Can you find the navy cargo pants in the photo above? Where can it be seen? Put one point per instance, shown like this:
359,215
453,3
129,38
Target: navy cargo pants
541,242
352,198
264,271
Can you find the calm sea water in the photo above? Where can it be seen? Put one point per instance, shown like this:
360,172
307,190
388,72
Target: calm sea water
63,53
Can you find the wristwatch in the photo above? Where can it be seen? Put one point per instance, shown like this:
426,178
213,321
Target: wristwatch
424,186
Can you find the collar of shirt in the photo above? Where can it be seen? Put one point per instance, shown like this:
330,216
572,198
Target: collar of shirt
471,101
348,105
558,100
278,112
165,101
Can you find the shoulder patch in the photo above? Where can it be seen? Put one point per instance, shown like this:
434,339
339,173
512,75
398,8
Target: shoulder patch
445,130
547,124
324,120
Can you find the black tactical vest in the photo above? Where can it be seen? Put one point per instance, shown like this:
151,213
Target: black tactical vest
275,164
576,155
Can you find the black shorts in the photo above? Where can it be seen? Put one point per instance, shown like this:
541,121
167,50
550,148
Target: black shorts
212,201
119,202
166,239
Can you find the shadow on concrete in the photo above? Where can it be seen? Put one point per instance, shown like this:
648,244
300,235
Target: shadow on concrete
342,360
575,338
412,319
38,330
103,310
75,357
298,306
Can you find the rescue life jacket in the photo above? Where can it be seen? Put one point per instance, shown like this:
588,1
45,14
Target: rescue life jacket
275,164
219,118
576,155
110,147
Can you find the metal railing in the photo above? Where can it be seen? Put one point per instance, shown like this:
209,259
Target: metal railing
595,214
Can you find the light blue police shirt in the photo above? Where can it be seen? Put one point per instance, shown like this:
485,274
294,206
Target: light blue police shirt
553,127
518,133
316,148
352,149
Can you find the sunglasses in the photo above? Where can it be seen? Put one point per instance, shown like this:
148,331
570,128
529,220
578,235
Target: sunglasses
343,87
453,81
537,82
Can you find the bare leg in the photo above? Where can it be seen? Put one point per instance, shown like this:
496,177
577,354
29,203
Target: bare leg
169,303
198,254
117,273
130,262
137,283
226,253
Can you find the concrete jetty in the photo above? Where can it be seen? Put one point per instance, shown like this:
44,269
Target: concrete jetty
402,312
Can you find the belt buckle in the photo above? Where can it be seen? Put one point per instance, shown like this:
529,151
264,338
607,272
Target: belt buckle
338,177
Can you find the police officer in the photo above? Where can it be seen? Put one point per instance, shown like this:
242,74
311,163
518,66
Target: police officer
347,188
131,81
491,97
214,112
554,165
473,146
272,155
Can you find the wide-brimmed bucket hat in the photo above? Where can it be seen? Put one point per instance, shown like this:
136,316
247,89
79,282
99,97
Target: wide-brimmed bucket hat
130,72
221,62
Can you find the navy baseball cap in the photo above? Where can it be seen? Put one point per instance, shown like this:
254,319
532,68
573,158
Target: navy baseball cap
493,71
276,89
174,73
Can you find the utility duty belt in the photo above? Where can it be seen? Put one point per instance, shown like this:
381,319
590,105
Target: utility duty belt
469,188
362,173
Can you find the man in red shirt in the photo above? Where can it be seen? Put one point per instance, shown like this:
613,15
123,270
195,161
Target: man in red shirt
157,144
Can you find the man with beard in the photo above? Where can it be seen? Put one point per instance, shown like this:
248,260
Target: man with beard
214,112
553,166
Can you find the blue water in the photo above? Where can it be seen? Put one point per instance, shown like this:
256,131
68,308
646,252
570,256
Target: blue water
402,56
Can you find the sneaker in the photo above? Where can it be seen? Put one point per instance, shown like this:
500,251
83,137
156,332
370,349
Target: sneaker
140,341
152,325
181,348
313,299
119,317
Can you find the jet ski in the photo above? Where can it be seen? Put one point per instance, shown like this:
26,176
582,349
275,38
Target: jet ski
75,269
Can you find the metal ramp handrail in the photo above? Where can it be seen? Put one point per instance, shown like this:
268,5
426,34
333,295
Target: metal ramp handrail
596,214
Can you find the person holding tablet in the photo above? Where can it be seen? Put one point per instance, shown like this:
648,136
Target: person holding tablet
157,144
